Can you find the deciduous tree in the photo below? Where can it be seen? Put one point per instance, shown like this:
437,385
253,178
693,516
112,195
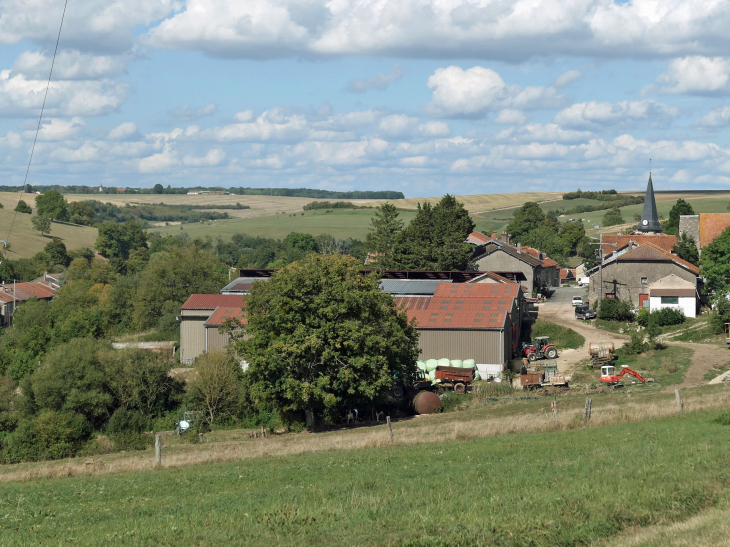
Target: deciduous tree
671,227
52,204
527,218
322,337
686,248
42,224
715,263
216,388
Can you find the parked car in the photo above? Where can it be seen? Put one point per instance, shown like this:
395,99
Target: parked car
577,300
584,312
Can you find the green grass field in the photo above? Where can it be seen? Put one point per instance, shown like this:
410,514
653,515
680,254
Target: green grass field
567,487
340,224
25,241
562,337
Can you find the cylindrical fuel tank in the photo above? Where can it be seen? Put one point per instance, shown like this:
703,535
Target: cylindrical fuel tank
603,348
426,402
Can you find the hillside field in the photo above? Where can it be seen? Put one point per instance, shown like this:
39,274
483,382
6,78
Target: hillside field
340,223
502,474
25,241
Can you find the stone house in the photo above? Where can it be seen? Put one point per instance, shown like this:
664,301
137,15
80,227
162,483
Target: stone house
628,275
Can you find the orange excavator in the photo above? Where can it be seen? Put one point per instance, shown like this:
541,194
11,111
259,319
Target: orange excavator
609,376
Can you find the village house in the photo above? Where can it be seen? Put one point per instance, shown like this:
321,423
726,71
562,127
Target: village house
531,267
13,295
704,227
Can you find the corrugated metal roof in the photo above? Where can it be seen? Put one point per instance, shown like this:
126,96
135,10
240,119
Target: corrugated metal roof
242,284
411,286
212,301
222,313
413,302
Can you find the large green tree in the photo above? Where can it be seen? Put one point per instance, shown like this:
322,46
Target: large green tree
323,337
715,263
57,253
572,233
527,218
435,238
548,241
170,278
115,242
686,248
385,227
680,208
41,223
52,204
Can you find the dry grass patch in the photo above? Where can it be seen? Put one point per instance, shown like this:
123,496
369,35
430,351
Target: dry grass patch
486,420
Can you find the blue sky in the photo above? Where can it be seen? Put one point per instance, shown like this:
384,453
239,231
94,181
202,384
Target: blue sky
422,96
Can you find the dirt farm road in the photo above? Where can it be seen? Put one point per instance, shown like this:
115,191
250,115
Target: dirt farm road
559,310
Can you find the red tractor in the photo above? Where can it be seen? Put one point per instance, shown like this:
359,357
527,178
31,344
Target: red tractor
540,348
609,376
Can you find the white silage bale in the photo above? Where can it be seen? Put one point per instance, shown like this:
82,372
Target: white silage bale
421,365
469,363
444,362
431,365
457,363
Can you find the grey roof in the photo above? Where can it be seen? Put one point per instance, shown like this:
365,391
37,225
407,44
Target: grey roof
241,285
649,217
510,250
425,287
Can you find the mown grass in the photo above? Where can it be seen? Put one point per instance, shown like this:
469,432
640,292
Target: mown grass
568,487
562,337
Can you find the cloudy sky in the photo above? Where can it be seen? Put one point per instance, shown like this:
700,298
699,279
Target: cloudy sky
423,96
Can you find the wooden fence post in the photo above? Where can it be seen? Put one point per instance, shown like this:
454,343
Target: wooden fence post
587,415
554,408
390,428
158,449
679,399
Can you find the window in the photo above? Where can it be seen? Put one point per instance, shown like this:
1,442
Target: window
643,280
670,300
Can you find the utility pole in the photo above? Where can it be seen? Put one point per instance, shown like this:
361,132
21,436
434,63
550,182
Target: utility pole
600,264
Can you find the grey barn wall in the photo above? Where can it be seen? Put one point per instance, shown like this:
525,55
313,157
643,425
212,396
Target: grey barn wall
500,261
192,336
484,346
629,274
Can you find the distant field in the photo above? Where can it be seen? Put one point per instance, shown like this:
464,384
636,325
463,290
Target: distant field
25,241
341,224
474,203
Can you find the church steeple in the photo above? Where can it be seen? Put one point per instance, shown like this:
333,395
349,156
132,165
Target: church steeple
649,219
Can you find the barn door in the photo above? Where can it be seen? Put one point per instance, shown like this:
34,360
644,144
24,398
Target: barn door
643,300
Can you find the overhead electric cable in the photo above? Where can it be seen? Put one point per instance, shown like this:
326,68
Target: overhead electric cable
40,118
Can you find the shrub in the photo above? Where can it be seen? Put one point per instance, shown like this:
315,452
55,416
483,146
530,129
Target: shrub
612,309
642,318
126,430
635,346
50,436
667,316
723,419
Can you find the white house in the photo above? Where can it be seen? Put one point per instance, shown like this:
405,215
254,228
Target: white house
674,292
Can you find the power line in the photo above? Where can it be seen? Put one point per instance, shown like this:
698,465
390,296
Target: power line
40,118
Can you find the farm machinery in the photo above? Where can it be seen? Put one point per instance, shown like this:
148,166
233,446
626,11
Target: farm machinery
546,376
609,376
540,348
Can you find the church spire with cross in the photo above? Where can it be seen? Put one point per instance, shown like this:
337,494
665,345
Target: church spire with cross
649,222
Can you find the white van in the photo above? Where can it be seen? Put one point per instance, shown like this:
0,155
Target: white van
577,300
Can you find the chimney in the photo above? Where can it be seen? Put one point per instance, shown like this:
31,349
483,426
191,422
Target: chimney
494,235
504,236
519,247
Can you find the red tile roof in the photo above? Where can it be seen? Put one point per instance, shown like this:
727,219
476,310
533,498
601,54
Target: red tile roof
564,273
672,292
413,302
477,290
222,313
711,226
212,301
478,238
477,316
611,243
26,291
549,263
648,252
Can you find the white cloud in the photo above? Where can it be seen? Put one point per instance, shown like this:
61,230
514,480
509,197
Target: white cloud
188,113
275,124
69,65
716,118
536,132
594,114
164,161
435,129
379,81
54,129
22,97
510,116
122,131
567,78
475,91
88,151
92,25
512,30
397,125
696,75
211,159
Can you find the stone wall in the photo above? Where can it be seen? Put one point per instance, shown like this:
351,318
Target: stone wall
500,261
690,225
